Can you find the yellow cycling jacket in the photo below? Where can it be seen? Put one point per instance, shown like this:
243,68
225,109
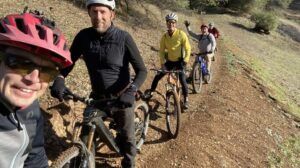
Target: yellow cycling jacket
176,46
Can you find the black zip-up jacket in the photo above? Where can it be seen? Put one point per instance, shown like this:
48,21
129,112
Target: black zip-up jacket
107,57
22,137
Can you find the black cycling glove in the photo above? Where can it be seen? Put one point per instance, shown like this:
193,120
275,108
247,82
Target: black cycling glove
58,88
127,99
187,23
183,64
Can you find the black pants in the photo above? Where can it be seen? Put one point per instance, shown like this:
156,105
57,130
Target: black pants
124,119
172,66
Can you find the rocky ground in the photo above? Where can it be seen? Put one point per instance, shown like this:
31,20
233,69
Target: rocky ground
231,123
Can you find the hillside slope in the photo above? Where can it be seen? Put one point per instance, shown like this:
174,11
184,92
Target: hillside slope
232,123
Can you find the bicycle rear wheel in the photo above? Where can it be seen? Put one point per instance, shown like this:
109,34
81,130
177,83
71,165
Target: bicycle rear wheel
74,157
197,78
141,122
173,112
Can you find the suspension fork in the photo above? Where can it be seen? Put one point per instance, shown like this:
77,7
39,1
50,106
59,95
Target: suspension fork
91,136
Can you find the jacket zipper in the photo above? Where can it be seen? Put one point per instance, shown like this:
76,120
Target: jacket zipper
25,140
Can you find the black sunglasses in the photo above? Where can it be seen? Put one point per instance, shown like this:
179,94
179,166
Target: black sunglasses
23,66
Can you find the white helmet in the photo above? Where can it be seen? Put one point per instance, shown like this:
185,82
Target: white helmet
110,3
171,16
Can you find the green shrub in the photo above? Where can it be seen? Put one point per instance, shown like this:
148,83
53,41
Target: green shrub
280,3
264,21
203,4
247,6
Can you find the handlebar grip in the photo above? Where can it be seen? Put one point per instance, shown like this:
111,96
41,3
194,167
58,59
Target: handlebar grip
68,95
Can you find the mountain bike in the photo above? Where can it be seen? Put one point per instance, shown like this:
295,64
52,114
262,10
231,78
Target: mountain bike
200,72
81,154
173,104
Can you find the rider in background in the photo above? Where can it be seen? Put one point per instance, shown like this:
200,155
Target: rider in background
29,59
174,53
108,52
206,43
213,30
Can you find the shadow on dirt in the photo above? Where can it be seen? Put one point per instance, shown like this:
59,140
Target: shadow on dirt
290,31
51,136
242,27
157,114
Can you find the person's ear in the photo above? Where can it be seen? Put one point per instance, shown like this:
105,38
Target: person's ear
113,15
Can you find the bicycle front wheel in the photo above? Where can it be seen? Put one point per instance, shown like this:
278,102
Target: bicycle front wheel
141,122
74,157
197,78
173,112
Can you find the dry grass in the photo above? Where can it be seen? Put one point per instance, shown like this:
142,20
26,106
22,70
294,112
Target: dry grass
274,58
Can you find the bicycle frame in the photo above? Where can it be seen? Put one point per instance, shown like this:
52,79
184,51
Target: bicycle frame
173,81
200,59
82,151
96,124
172,98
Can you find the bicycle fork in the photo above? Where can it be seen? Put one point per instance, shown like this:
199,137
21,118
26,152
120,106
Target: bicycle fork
91,137
89,143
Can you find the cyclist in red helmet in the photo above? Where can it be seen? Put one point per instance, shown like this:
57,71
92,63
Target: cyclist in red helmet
31,53
206,43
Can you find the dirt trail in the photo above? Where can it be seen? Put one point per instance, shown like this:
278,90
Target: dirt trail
231,123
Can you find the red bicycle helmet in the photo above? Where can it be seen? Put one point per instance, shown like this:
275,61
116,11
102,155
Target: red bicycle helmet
32,33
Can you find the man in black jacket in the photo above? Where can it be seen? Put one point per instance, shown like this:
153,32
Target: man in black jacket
28,62
107,52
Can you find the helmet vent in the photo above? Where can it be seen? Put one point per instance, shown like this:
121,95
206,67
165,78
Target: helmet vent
65,47
2,29
41,32
55,39
20,25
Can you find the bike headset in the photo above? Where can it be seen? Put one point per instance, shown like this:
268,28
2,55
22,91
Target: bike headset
171,16
109,3
37,35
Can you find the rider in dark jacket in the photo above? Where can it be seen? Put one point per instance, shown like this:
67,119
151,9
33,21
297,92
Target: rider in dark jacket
107,52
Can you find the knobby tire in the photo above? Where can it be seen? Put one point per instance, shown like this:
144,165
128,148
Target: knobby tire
173,112
197,78
70,158
142,118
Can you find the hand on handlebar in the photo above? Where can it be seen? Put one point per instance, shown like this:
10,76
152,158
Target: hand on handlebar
127,99
183,64
58,88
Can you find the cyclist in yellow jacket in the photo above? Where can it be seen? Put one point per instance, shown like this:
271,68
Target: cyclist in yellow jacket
175,51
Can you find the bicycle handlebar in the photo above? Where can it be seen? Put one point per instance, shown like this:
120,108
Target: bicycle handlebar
199,54
166,71
68,95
